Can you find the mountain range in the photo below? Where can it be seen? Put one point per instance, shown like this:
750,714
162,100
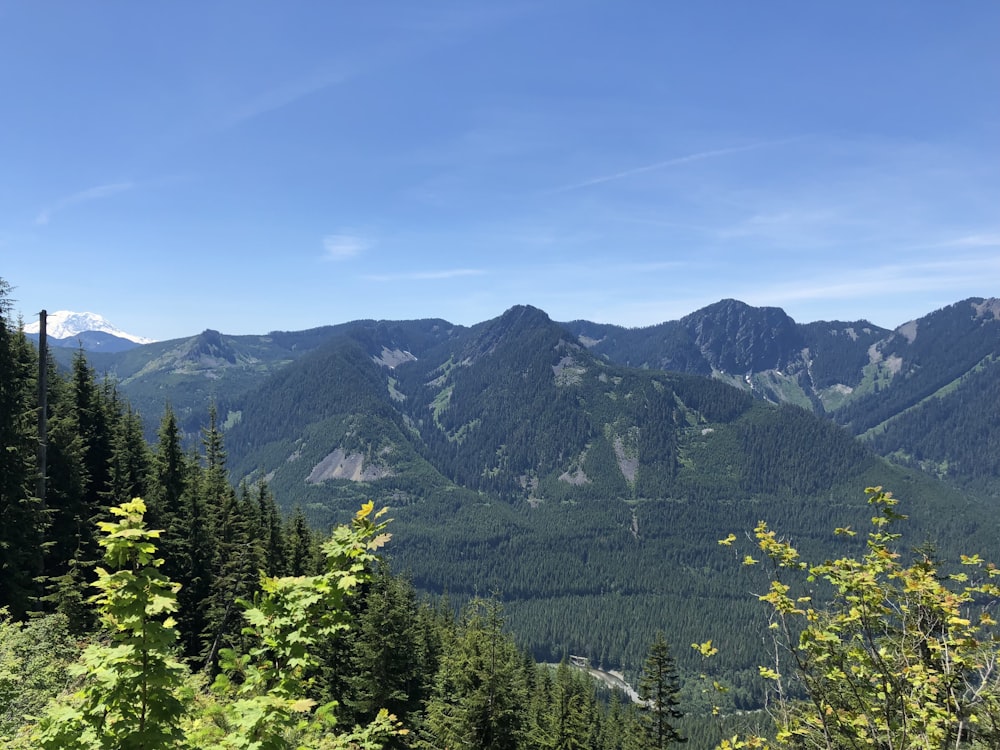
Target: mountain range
585,471
909,392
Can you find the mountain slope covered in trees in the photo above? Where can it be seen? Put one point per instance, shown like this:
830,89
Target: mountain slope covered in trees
587,494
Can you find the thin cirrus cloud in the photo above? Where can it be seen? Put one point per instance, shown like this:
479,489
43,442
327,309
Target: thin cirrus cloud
975,240
884,280
343,246
676,161
84,196
451,273
284,95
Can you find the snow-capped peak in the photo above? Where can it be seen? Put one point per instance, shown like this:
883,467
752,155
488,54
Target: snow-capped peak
64,324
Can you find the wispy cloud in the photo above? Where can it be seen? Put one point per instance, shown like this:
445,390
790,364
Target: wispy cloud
343,246
890,279
451,273
974,240
676,161
84,196
284,95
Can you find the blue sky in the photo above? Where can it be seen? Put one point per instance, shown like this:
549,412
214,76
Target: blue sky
259,166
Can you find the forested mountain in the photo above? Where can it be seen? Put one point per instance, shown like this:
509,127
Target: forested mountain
519,460
920,394
520,457
858,374
226,626
757,348
589,496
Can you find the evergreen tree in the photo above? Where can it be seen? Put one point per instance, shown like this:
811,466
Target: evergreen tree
197,577
168,500
235,569
480,698
130,457
93,422
70,546
215,482
21,519
571,712
387,657
659,687
299,544
270,531
539,729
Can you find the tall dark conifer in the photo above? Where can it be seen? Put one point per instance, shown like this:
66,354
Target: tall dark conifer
659,688
271,531
20,512
93,421
197,577
480,698
300,545
173,475
131,461
71,548
386,662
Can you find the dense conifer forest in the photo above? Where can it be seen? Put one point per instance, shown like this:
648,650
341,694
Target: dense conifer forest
185,580
242,619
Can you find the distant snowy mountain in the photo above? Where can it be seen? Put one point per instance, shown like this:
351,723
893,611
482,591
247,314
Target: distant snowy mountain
65,324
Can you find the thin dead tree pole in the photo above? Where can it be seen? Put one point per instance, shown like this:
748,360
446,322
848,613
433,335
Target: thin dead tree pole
43,406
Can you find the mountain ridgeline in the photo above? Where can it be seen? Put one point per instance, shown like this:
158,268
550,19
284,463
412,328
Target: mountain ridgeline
917,393
584,472
519,409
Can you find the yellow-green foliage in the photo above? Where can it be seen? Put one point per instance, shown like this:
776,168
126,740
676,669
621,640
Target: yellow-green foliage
134,694
904,657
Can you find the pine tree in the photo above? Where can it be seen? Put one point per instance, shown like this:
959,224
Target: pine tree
71,549
480,698
386,663
300,546
271,532
168,501
659,687
130,456
571,711
94,424
21,519
197,576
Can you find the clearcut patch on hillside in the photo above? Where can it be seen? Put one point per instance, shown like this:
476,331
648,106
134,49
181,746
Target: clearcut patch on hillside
393,358
988,307
342,465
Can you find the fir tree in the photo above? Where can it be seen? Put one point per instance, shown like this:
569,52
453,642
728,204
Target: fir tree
480,698
271,532
659,687
299,544
386,661
21,518
168,501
